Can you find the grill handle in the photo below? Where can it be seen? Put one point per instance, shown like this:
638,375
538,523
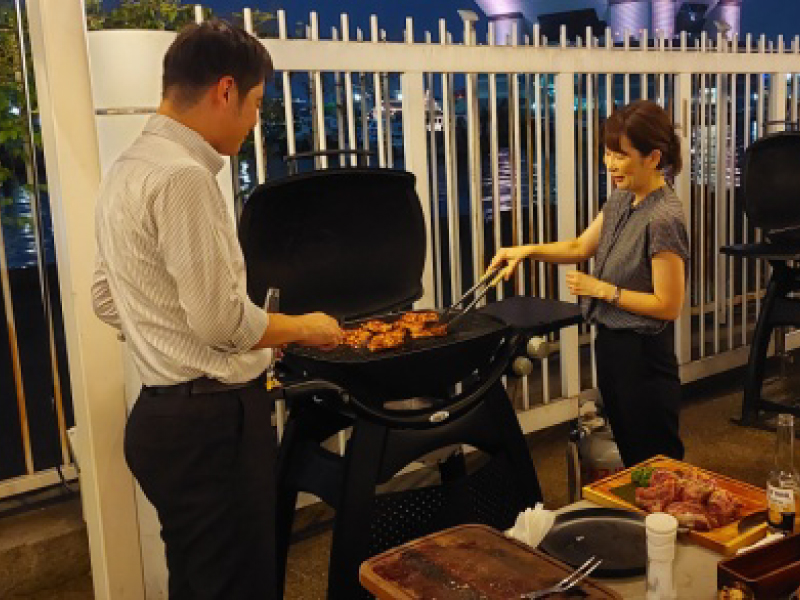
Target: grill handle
362,156
426,418
315,387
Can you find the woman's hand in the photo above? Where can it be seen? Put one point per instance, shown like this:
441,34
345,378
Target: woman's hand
510,257
581,284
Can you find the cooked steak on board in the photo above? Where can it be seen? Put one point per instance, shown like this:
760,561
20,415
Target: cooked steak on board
695,500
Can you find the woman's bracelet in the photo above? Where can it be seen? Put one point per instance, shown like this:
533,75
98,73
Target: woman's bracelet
617,294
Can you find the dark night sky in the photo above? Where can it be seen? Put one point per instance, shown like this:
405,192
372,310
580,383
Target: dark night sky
772,17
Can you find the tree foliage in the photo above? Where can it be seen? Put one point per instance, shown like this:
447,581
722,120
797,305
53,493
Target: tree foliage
263,22
14,141
15,151
168,15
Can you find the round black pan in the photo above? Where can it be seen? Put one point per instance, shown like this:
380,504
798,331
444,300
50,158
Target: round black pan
615,536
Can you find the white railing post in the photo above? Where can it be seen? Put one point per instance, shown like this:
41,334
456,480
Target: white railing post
777,97
258,136
318,100
682,109
473,153
720,197
378,107
72,161
352,144
287,92
416,161
450,174
494,153
566,201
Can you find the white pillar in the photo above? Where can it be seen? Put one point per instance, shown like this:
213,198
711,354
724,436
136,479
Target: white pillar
778,93
61,66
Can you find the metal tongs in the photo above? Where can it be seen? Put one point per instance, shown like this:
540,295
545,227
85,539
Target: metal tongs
569,582
497,272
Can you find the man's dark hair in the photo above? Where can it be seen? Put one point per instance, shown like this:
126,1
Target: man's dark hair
202,54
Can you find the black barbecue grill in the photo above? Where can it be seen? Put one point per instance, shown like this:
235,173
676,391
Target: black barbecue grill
771,186
420,367
352,242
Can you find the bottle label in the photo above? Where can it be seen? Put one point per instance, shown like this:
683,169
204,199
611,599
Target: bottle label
781,506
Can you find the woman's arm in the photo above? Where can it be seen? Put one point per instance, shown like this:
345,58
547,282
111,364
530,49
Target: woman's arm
566,252
572,251
664,303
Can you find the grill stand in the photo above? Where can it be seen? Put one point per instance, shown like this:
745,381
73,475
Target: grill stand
380,447
777,310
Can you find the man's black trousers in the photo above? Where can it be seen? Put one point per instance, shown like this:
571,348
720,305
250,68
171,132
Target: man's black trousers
206,462
638,379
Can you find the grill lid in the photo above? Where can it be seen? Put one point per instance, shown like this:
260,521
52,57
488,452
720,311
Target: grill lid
349,242
771,182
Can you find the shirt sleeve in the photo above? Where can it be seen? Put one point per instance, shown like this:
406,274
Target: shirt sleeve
198,243
102,301
667,233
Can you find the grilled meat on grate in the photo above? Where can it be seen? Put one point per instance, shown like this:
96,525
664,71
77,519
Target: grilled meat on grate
377,334
420,316
356,338
376,326
386,341
430,331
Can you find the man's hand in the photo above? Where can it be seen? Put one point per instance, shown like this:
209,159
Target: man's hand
320,331
581,284
510,257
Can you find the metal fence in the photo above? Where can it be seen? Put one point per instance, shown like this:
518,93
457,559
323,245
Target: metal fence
504,141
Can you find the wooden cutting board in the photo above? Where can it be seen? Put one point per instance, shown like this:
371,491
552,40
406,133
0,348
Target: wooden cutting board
464,560
725,540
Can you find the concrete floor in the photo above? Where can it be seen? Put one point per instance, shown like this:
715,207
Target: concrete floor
44,551
712,442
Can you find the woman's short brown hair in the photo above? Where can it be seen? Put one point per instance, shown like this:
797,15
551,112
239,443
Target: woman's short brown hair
648,127
204,53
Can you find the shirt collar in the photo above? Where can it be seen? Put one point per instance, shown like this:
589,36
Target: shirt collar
194,143
657,193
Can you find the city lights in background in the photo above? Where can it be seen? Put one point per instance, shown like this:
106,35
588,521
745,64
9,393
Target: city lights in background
662,16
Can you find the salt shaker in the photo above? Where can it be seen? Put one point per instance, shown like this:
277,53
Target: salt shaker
662,530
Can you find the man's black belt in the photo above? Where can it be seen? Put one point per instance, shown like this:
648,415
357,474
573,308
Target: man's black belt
201,385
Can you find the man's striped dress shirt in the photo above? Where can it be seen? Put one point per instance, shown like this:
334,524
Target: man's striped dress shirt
169,271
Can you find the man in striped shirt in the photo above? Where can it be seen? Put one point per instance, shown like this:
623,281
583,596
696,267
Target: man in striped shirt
170,275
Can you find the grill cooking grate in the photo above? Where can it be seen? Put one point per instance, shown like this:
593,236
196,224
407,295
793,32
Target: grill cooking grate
471,326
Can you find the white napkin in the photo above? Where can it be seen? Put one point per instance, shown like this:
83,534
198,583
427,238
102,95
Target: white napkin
532,525
768,539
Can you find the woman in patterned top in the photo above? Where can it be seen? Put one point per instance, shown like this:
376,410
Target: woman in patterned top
637,288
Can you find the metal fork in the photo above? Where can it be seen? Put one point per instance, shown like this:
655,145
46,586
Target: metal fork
568,582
